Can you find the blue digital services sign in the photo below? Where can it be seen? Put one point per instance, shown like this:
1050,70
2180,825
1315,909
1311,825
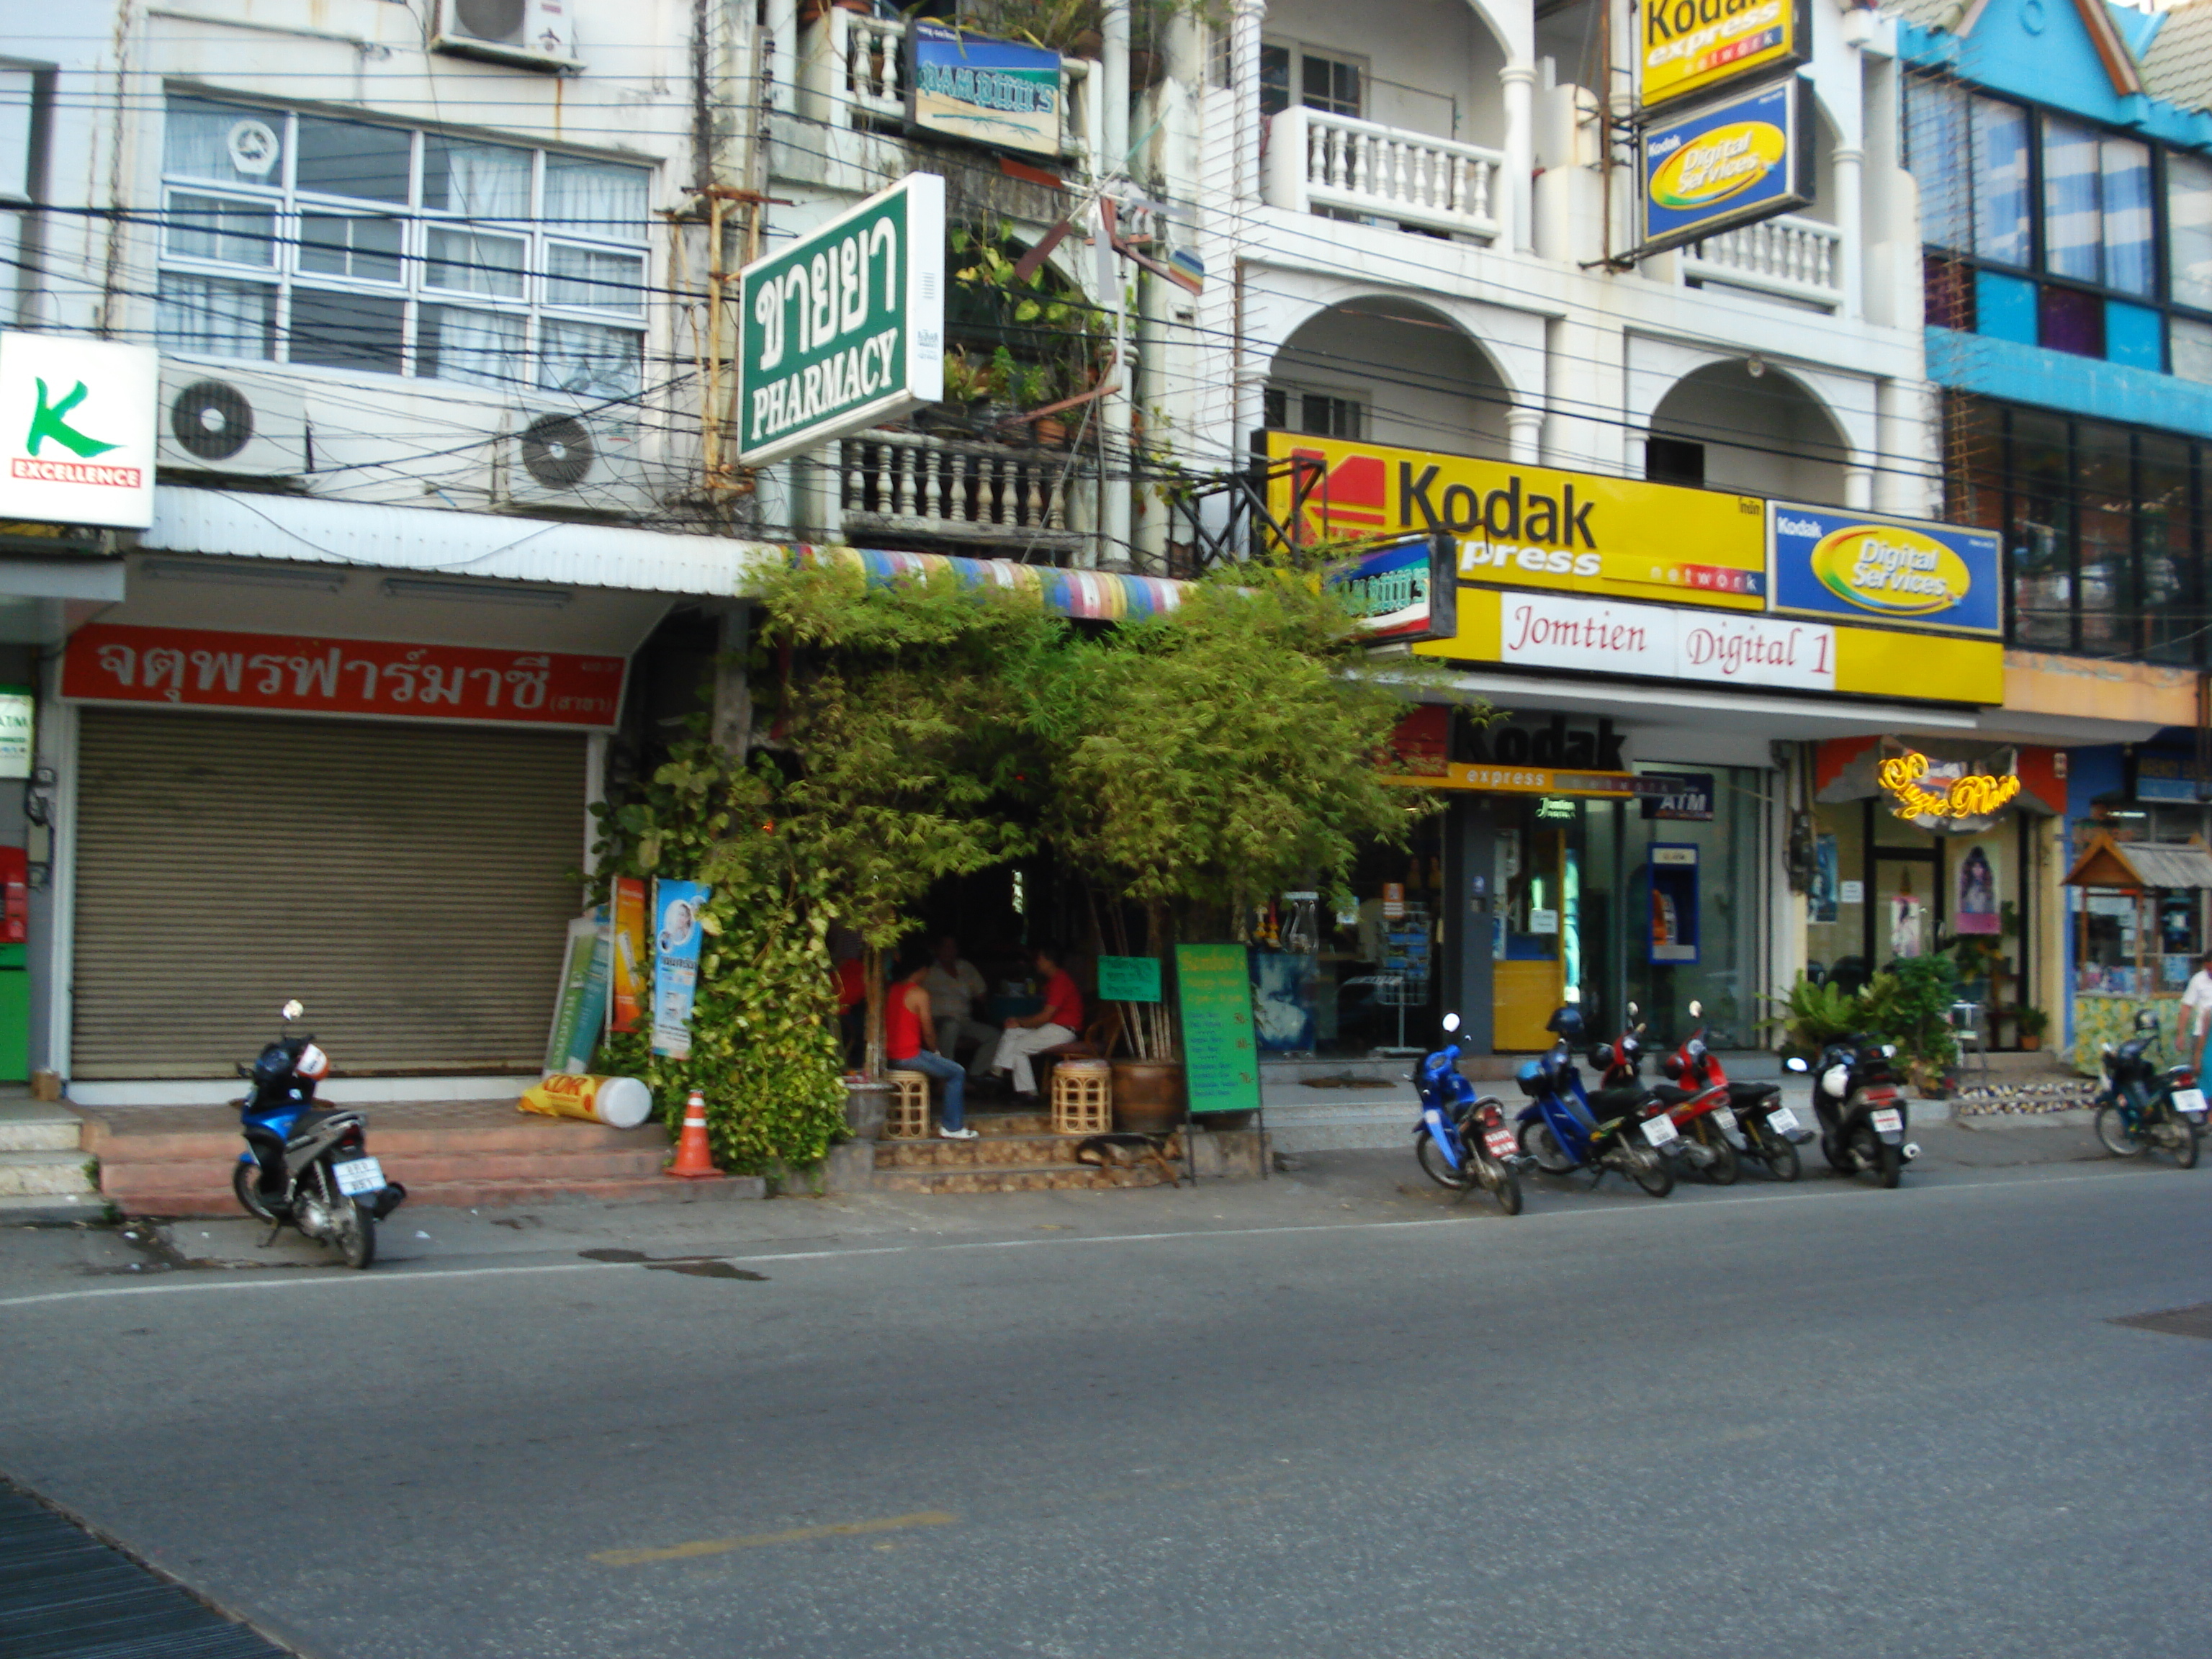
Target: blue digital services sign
1743,159
1827,562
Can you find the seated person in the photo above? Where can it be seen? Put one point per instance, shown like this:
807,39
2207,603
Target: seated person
1059,1021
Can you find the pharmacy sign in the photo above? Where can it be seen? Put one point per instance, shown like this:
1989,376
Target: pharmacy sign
76,430
845,328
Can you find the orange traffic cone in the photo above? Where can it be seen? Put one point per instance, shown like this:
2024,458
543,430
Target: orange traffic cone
694,1162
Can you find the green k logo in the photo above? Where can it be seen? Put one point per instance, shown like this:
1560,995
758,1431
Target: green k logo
49,422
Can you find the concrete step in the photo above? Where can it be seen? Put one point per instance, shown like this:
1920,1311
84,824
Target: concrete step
128,1179
937,1153
487,1194
44,1173
1012,1178
151,1133
31,1126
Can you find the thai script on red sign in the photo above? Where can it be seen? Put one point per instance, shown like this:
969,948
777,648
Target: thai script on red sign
205,668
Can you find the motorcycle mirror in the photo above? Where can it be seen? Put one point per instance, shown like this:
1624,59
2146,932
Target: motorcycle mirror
1697,1009
1634,1010
1451,1022
293,1009
1795,1063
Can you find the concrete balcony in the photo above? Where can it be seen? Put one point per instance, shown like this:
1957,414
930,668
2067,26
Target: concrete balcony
1317,161
1800,260
1000,500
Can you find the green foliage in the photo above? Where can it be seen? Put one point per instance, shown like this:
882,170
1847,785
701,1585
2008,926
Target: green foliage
2034,1021
1810,1016
764,1052
1909,1002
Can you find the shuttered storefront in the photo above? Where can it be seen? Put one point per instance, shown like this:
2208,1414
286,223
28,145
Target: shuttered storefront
410,884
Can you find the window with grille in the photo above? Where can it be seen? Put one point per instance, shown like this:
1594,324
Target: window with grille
1316,414
1292,74
350,244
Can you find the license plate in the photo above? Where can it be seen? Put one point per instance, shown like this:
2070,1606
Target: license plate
1889,1121
1500,1142
1659,1130
362,1175
1725,1117
1781,1120
2189,1100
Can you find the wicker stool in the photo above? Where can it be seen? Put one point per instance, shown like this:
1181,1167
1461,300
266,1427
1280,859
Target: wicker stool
908,1119
1082,1098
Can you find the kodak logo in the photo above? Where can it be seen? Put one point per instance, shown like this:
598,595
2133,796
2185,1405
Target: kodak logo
1505,515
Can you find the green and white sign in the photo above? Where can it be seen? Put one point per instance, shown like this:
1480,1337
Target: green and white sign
846,328
76,430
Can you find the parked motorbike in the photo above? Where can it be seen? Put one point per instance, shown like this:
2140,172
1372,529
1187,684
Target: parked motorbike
1861,1111
307,1164
1563,1130
1728,1121
1461,1139
2141,1107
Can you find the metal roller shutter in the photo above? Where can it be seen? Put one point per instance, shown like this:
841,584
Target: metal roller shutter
409,883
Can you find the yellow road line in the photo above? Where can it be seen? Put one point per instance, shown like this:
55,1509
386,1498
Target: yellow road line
796,1535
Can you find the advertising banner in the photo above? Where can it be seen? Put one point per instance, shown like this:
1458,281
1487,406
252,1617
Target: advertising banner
581,1010
845,328
1732,163
19,713
1403,590
1128,979
632,986
1221,1062
207,668
1827,562
676,940
76,430
999,93
1525,527
1688,46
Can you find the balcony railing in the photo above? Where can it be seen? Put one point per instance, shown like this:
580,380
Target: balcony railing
1802,259
1316,159
852,73
910,483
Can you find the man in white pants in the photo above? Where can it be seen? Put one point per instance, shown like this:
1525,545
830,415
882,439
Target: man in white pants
1059,1021
2196,1013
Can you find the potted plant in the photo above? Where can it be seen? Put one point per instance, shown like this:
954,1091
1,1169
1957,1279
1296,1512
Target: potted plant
1810,1016
2034,1023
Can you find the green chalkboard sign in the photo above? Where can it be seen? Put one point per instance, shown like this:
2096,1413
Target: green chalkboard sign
1129,979
1221,1061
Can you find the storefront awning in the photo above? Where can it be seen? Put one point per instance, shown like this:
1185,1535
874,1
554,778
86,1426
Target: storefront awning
2138,866
1092,595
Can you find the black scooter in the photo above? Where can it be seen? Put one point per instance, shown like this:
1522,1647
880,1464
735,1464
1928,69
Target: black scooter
1861,1109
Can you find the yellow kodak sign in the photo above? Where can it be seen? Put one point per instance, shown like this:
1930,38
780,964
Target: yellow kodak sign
1688,46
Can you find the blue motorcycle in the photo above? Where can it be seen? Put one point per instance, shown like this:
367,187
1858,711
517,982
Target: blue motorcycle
1461,1139
1562,1130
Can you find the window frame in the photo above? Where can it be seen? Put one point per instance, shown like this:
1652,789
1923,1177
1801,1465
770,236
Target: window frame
1295,86
289,272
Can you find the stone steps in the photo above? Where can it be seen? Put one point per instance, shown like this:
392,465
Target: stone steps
1011,1178
24,1174
42,1153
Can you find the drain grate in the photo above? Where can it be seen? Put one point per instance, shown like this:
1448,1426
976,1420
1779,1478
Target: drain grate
2174,1322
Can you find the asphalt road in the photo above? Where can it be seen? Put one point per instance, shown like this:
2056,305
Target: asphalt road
1324,1416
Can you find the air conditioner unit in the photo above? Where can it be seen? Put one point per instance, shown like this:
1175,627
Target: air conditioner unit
535,33
216,421
579,461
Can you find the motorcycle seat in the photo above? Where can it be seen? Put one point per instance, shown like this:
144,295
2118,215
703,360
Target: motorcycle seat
1669,1095
1752,1093
309,1121
1617,1102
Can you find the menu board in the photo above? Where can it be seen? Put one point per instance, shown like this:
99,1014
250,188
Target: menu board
1221,1062
1129,979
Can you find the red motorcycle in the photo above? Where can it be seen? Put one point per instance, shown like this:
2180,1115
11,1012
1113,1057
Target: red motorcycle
1722,1122
1622,1092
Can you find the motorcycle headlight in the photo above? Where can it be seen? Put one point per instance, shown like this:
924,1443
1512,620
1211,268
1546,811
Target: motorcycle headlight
1836,1080
1889,1051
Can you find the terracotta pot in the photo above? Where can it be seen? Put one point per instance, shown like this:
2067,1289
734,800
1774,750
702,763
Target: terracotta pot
2030,1043
1051,432
1148,1095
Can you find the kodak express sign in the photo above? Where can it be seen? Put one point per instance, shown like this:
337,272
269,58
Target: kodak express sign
1688,46
1528,527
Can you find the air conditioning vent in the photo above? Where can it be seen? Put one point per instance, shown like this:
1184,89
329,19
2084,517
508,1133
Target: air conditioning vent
536,34
557,451
213,423
584,461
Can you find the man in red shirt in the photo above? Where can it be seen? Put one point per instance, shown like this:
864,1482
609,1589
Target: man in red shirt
1060,1020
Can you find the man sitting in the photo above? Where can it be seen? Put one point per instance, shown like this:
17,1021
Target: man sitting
909,1038
1059,1021
954,983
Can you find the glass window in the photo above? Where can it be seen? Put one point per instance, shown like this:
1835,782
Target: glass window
17,90
2041,522
350,158
2189,229
2130,263
216,317
474,262
594,197
602,278
349,244
1328,84
348,331
224,143
483,181
1936,150
2000,171
2104,486
2071,218
236,232
1275,80
478,348
2172,606
589,359
2067,319
2189,346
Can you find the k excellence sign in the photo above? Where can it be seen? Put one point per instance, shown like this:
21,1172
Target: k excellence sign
76,430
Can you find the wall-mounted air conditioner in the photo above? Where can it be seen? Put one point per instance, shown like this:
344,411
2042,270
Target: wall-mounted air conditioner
535,33
218,421
585,461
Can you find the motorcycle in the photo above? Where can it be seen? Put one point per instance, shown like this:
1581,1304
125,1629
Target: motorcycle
2140,1106
1861,1111
305,1163
1462,1141
1729,1121
1561,1130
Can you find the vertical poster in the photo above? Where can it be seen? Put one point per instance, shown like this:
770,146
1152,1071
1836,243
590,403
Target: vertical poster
1905,920
631,984
675,934
1975,911
1825,881
1221,1064
581,1009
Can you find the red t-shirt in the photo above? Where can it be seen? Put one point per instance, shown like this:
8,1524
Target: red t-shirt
901,1024
1063,1003
852,983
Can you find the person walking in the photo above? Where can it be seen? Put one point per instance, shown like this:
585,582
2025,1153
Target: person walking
2195,1014
1059,1021
910,1037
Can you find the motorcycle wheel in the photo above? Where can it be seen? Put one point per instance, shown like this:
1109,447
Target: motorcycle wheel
1649,1170
1885,1162
1780,1156
1726,1165
2184,1145
1833,1150
1540,1144
2113,1130
1435,1166
354,1229
246,1186
1505,1185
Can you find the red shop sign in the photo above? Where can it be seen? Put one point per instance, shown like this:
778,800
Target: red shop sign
205,668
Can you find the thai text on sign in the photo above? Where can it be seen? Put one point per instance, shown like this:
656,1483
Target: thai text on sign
207,668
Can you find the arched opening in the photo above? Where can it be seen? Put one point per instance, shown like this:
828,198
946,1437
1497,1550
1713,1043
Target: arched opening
1388,372
1746,427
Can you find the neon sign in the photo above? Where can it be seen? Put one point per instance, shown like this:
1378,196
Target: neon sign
1975,796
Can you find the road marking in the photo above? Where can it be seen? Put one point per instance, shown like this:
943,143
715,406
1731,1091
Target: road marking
795,1535
1853,1192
